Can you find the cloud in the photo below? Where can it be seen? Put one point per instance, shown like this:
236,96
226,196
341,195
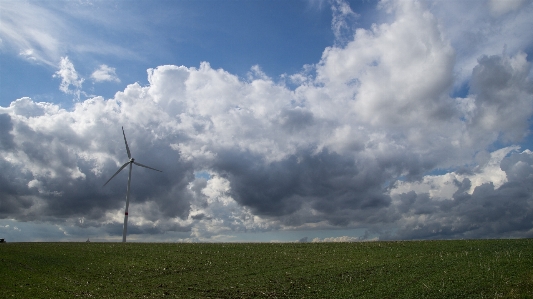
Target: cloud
503,95
502,7
483,28
487,211
105,73
355,146
303,240
343,20
29,30
45,32
69,77
6,138
342,239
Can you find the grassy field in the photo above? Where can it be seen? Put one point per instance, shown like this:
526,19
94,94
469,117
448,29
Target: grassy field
414,269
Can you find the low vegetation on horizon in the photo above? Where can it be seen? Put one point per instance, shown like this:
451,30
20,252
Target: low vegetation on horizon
402,269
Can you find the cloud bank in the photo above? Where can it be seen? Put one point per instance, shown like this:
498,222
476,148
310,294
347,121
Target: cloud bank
370,137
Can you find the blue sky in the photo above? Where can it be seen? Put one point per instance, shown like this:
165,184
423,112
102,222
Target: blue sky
271,120
132,36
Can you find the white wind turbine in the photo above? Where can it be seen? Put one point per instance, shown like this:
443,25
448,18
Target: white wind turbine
130,163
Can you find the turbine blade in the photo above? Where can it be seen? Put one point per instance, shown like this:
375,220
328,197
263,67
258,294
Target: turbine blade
117,172
139,164
126,142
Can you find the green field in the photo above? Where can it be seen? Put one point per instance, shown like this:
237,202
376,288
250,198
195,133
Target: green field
410,269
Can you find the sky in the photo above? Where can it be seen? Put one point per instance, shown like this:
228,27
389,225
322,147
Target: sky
272,121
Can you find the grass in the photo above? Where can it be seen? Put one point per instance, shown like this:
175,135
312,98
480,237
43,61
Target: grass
410,269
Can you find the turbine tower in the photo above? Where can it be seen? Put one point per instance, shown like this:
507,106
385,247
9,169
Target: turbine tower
130,163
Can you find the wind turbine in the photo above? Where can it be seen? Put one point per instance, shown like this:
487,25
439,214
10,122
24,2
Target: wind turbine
130,163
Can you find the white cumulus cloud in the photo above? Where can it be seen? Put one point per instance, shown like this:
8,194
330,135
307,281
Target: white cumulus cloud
105,73
69,77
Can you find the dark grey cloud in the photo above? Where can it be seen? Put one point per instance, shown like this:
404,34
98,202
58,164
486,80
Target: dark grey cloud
6,138
328,182
488,212
503,94
294,120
